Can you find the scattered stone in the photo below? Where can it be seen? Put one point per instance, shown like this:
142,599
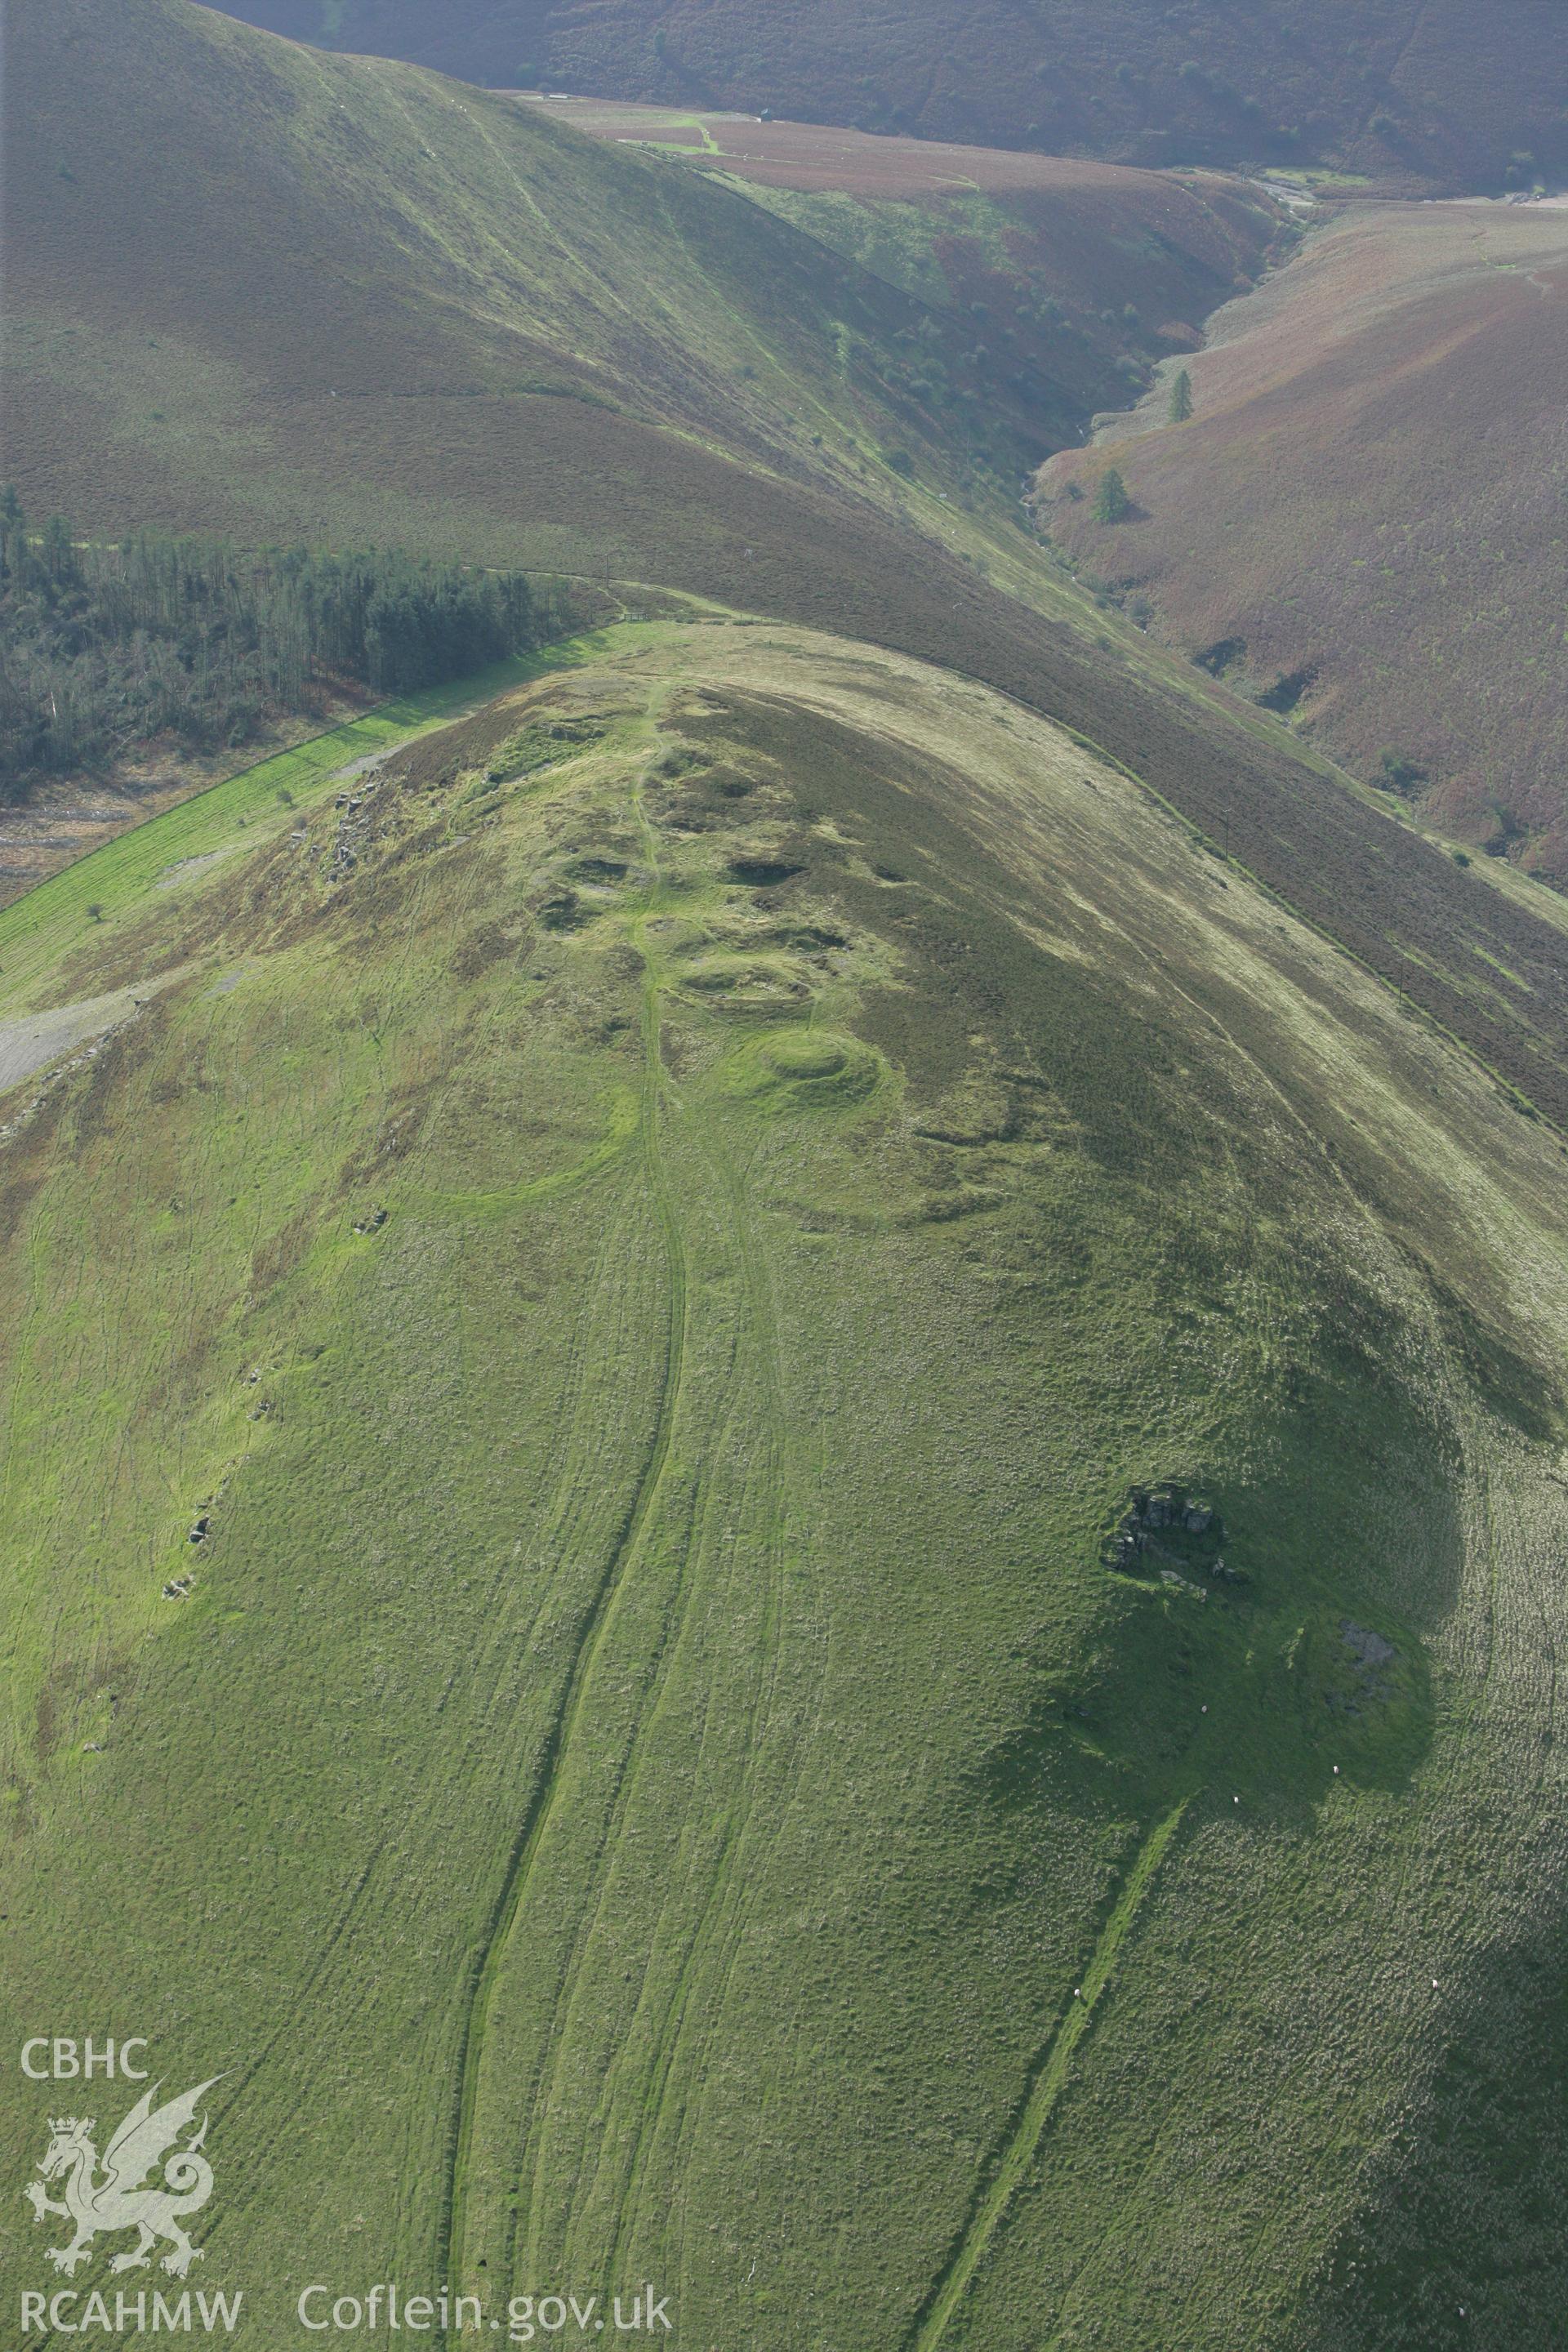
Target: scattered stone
1170,1576
93,1747
372,1223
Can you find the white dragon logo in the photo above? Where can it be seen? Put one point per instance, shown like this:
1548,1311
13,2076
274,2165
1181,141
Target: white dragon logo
118,2200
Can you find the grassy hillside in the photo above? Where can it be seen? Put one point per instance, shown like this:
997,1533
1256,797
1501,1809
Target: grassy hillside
654,1233
357,256
1368,505
1388,86
1081,272
729,410
455,322
616,1285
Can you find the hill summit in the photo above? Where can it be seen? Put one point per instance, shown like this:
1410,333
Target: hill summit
565,1549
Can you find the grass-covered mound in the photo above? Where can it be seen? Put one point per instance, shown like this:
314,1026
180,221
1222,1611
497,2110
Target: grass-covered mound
558,1629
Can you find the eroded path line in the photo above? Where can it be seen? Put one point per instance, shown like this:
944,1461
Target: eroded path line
535,1822
1050,2074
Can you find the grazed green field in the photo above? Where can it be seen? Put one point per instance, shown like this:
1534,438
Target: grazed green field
651,1779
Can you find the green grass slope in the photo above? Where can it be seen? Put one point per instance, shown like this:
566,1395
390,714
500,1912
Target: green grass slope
1368,503
652,1234
1400,87
1078,273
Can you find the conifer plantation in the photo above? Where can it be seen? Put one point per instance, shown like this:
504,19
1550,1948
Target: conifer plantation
105,647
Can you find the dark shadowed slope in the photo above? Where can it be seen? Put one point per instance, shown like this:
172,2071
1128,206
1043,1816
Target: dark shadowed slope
1400,87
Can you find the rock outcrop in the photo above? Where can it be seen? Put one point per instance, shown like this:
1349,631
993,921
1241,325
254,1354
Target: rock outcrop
1167,1529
